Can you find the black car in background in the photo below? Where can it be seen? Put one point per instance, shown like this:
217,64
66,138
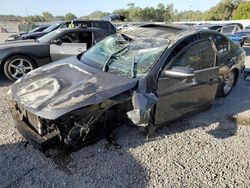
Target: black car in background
35,30
105,25
19,57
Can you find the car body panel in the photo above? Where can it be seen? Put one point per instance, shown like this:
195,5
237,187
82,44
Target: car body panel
66,49
15,37
37,51
186,95
241,37
58,88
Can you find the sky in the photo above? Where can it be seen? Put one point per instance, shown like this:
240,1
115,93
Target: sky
84,7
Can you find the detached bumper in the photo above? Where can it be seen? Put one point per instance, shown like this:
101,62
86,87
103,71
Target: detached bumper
39,142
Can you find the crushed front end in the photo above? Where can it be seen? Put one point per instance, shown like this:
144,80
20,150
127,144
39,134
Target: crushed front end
72,130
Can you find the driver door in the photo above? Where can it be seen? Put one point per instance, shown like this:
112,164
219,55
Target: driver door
70,44
181,95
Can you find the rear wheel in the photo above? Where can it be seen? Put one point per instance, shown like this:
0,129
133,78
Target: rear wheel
17,66
228,84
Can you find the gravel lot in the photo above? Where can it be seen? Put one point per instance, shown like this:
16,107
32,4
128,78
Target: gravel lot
210,149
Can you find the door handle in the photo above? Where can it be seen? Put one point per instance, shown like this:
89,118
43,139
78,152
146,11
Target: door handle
80,49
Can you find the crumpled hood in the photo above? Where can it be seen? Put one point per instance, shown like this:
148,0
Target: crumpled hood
58,88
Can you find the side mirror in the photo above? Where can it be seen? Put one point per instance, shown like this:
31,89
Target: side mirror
180,72
57,42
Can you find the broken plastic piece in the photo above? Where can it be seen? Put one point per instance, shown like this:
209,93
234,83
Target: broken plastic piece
142,103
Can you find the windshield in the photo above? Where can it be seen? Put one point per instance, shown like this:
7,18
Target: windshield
34,30
124,56
52,27
49,37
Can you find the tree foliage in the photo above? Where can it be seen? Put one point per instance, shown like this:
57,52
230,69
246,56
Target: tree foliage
95,15
242,12
69,16
35,18
48,17
224,10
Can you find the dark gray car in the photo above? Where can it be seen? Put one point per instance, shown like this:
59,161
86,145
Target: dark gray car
18,58
105,25
147,76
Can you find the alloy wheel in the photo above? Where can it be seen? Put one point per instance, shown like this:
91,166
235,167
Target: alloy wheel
229,82
19,67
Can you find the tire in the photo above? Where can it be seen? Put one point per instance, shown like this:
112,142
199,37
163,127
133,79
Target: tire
228,84
17,66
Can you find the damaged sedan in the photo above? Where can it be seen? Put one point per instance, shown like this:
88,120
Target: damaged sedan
145,76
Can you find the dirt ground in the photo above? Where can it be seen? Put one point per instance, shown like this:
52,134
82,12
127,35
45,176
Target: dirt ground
210,149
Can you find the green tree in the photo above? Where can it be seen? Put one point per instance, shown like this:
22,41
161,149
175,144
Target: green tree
242,12
123,12
160,11
96,15
169,13
35,18
59,17
69,16
131,5
224,10
47,16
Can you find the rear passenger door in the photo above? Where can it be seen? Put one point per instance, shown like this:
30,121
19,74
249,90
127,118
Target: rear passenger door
72,44
179,96
226,56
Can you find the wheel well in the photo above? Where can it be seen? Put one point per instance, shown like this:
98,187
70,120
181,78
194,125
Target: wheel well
5,59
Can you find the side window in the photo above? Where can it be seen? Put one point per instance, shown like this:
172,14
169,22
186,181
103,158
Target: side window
101,25
221,43
198,56
84,23
183,44
227,30
98,36
237,28
86,37
189,40
70,38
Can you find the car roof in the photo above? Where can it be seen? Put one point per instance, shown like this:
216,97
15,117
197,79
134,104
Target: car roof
81,29
163,31
87,21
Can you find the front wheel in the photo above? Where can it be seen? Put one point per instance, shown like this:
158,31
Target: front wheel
17,66
228,83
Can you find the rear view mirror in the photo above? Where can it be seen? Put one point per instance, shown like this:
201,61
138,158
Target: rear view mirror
57,42
180,72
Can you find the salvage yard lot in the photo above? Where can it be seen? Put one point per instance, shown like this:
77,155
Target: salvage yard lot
210,149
